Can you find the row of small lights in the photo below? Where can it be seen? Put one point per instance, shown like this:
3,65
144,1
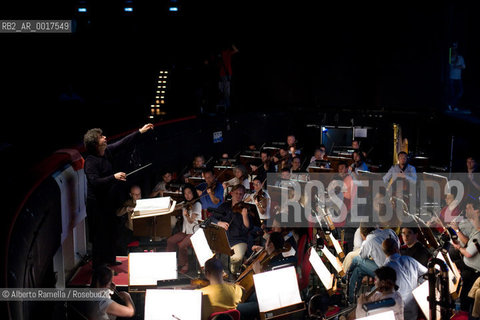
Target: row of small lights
159,94
82,8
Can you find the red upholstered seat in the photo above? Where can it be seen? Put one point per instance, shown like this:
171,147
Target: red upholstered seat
234,313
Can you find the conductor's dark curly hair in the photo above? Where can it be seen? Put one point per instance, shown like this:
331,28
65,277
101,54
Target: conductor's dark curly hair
90,140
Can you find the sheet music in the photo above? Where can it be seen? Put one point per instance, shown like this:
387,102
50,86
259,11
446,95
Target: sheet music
321,270
276,289
146,268
152,205
332,259
201,247
161,304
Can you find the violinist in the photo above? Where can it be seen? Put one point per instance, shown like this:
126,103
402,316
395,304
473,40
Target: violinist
320,156
218,295
163,185
191,213
234,217
260,198
105,308
358,162
282,159
210,191
196,169
266,166
241,177
292,145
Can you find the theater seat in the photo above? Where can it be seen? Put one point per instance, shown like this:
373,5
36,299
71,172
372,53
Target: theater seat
234,313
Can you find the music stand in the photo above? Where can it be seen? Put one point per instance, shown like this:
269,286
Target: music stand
217,239
327,278
278,294
453,274
171,304
201,247
337,246
421,295
146,268
151,217
334,261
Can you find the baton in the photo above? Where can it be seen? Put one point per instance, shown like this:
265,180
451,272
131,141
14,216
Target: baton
141,168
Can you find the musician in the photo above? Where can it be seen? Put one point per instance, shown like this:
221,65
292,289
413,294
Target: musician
385,279
408,272
101,180
210,192
241,177
414,248
470,180
357,244
283,159
234,217
196,170
292,145
371,256
218,295
106,308
320,154
191,213
358,162
266,166
464,225
260,198
124,214
470,268
450,211
401,170
274,247
355,144
163,185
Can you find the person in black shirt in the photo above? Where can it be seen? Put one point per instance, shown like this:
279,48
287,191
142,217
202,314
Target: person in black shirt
101,179
412,247
234,217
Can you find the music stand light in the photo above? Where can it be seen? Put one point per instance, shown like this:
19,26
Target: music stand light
201,247
171,304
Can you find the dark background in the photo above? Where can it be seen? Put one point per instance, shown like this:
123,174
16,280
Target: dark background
302,58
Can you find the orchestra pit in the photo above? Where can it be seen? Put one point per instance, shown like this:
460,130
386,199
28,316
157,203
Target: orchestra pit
233,160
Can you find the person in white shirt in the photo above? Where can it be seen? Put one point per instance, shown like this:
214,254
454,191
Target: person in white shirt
470,265
385,279
401,171
409,272
191,213
370,258
357,244
241,177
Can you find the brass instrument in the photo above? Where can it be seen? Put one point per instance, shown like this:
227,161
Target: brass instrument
445,302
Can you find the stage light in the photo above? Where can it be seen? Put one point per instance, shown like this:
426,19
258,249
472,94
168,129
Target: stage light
324,129
173,9
82,10
128,9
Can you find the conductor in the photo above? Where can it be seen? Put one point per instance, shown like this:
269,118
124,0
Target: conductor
100,180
